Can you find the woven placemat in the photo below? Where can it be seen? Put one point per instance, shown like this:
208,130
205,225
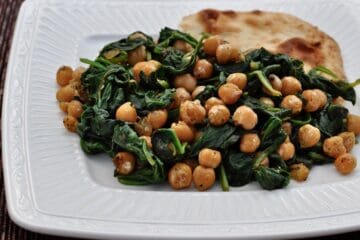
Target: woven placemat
9,230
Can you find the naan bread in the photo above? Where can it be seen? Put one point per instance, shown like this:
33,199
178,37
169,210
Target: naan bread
277,32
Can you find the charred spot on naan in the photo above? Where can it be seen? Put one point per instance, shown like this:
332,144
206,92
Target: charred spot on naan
303,50
211,20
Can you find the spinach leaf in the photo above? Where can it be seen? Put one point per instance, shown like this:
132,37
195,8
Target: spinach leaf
239,168
331,120
272,178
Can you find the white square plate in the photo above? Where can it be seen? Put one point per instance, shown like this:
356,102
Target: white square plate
53,187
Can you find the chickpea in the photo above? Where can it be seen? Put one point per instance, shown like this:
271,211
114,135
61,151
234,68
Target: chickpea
209,158
203,69
137,35
218,115
275,82
292,103
70,123
322,97
183,46
192,112
334,146
183,131
308,136
226,53
287,127
143,127
124,163
299,172
267,101
249,143
64,75
126,112
353,123
65,94
338,101
229,93
147,141
204,178
239,79
290,86
245,117
348,140
76,76
137,55
147,68
286,151
345,163
64,106
313,100
180,176
211,44
197,91
181,95
213,101
186,81
75,108
157,118
192,163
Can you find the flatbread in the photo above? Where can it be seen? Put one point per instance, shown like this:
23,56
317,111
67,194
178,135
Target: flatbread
277,32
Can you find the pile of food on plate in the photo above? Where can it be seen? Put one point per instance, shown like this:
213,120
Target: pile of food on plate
192,110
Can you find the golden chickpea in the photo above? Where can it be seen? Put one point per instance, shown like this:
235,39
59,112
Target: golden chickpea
267,101
239,79
204,178
65,94
192,112
348,140
64,75
180,176
147,141
226,53
183,46
353,123
137,55
313,102
287,127
143,127
70,123
211,44
181,95
218,115
292,103
183,131
338,101
77,73
124,163
334,146
126,112
186,81
308,136
213,101
229,93
245,117
157,118
197,91
286,151
290,86
203,69
75,108
345,163
64,106
322,97
249,143
147,68
299,172
209,158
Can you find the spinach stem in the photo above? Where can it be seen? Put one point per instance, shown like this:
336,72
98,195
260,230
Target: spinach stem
92,63
223,179
265,82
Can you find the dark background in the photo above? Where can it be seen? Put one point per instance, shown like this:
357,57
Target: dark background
8,12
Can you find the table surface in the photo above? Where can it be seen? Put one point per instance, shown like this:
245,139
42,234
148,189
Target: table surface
9,230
